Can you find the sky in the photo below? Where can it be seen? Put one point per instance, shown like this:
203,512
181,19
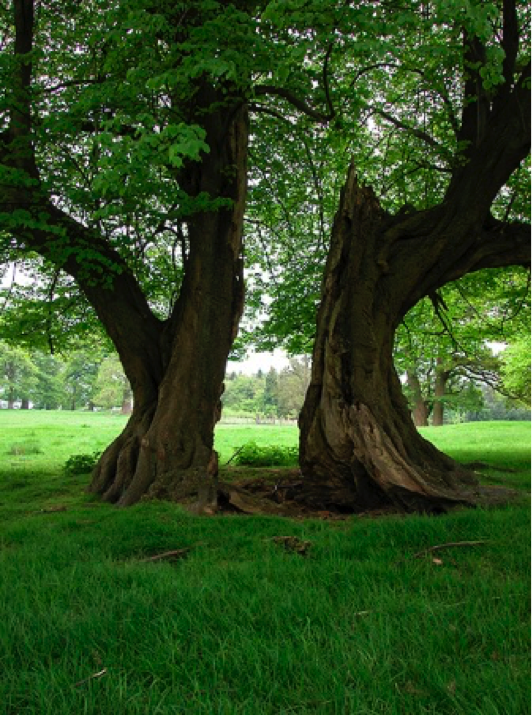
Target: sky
259,361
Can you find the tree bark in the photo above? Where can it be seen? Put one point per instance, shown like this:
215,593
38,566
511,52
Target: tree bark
420,409
175,367
440,386
358,445
166,449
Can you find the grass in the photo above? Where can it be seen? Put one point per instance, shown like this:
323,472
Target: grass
359,626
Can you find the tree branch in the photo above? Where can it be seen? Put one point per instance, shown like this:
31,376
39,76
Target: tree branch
420,134
295,101
510,40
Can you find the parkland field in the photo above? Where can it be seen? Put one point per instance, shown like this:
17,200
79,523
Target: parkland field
377,615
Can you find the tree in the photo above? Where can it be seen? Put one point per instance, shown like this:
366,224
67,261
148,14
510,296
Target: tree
49,391
516,368
112,387
130,122
358,445
441,345
18,376
79,377
292,385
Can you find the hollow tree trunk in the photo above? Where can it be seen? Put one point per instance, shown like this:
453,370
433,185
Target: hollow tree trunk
166,449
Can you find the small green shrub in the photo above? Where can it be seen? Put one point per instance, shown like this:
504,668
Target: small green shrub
30,447
254,455
81,464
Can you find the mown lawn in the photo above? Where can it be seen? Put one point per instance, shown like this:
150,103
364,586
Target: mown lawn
360,625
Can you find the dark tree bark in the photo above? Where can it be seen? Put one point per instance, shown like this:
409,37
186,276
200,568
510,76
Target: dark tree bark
175,367
358,445
166,449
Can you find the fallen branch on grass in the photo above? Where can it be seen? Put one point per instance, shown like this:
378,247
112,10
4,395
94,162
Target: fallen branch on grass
235,454
448,545
170,556
97,675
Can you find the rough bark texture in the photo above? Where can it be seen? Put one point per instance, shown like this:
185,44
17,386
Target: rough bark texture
175,367
358,444
166,450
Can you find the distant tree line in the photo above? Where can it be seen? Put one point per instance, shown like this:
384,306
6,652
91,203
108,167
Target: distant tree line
267,395
81,379
438,390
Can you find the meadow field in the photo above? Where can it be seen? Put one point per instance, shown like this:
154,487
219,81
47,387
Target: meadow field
371,620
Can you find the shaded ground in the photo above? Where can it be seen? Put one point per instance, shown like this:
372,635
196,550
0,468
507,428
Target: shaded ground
279,491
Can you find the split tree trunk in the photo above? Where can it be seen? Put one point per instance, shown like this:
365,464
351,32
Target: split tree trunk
358,445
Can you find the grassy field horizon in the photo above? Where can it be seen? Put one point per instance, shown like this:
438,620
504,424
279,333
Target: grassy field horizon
382,616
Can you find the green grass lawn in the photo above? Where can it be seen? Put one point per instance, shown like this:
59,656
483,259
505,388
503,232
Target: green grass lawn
241,626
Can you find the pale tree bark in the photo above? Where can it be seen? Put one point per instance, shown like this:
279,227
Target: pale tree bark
420,408
441,378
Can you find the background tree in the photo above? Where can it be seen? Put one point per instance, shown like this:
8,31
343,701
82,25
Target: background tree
111,387
516,368
441,345
79,377
49,391
18,376
292,385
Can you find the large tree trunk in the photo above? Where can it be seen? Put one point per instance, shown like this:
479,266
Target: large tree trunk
166,449
358,445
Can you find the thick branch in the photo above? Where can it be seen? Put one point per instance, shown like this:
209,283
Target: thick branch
414,131
109,286
510,39
500,244
295,101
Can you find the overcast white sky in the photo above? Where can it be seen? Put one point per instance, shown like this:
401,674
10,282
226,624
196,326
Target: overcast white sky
259,361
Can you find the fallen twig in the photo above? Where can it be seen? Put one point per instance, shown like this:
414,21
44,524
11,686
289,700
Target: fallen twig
447,545
97,675
235,454
170,556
